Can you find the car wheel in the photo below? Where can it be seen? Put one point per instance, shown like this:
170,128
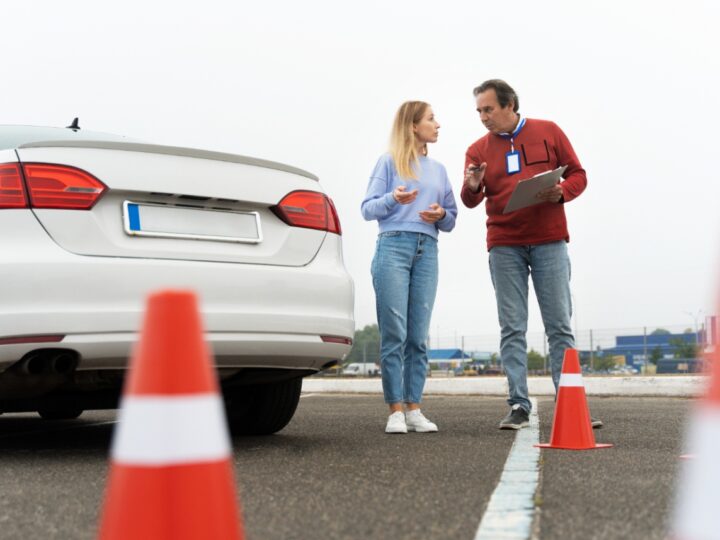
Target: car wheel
262,409
60,413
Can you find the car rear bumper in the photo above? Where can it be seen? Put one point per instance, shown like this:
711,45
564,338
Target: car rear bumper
254,315
229,349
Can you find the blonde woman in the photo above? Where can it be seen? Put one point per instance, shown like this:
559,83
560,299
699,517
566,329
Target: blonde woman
410,196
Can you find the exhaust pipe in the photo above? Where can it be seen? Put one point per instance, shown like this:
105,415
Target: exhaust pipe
48,361
33,364
63,363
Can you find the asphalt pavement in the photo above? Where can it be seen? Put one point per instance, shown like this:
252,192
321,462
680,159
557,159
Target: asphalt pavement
624,492
333,473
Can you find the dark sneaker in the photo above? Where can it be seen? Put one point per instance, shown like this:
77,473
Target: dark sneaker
595,423
517,418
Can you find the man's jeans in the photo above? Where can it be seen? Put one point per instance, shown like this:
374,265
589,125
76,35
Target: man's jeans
405,274
549,266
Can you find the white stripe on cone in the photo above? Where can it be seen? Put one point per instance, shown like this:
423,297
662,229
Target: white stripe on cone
571,379
696,509
171,430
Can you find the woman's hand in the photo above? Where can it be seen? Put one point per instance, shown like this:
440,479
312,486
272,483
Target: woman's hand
435,213
404,197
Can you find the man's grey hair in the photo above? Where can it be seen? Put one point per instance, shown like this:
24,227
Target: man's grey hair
505,93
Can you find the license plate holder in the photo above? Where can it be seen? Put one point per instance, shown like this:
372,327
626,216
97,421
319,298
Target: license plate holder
165,221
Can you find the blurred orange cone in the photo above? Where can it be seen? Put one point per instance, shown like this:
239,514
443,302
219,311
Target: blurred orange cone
171,475
572,429
696,505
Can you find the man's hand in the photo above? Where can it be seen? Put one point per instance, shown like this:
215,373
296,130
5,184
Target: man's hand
551,194
474,176
404,197
436,213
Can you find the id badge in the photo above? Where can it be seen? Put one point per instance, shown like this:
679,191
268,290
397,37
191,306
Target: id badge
512,162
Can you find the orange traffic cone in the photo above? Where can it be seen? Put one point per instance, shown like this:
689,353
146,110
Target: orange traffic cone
572,429
171,475
696,506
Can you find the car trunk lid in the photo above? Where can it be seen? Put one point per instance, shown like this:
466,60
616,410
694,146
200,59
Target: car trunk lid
178,203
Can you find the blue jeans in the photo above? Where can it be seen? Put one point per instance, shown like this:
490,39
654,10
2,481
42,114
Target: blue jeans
549,266
405,274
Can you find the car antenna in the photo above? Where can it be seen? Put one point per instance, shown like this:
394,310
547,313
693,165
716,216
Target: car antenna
75,126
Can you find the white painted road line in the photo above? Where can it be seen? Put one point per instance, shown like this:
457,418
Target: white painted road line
511,509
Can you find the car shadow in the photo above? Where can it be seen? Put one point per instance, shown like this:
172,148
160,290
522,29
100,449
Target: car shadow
90,436
25,433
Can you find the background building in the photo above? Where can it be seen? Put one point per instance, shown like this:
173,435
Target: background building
445,359
671,353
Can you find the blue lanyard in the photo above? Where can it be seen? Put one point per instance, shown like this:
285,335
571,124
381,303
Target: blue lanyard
512,135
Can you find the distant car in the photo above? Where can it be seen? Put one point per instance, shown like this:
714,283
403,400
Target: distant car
94,222
624,370
465,371
362,369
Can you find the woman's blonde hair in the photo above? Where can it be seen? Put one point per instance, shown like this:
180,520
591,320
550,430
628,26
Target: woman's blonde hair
403,147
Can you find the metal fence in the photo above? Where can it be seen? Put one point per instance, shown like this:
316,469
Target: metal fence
647,344
597,340
601,350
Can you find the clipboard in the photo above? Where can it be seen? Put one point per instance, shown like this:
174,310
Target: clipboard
525,190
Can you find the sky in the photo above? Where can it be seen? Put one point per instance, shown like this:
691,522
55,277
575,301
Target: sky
315,84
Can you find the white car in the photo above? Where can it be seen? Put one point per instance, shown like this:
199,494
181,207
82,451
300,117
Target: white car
362,369
91,223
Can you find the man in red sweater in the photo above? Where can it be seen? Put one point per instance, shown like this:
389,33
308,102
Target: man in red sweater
530,241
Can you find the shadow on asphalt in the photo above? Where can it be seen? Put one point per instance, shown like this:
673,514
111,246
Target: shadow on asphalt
31,433
27,433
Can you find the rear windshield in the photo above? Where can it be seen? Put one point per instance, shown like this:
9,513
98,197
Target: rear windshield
14,136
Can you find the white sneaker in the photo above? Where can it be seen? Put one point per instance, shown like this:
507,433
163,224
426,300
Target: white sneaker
396,423
416,421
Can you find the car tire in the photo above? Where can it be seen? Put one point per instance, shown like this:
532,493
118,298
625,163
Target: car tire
262,409
60,413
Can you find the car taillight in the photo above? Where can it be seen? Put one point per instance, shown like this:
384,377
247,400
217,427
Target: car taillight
15,340
336,339
61,186
308,209
12,189
333,219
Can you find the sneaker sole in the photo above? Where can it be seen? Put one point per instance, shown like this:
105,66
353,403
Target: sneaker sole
514,426
422,430
395,431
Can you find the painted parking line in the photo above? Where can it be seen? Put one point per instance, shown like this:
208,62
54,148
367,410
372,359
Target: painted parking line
511,509
54,429
308,395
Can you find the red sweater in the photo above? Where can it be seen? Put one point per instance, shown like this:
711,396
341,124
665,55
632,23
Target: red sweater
542,146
